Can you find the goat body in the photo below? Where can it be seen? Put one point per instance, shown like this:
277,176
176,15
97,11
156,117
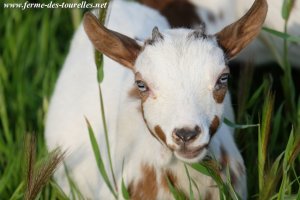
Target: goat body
173,114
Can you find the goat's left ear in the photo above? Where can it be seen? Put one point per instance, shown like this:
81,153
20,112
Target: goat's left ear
236,36
118,47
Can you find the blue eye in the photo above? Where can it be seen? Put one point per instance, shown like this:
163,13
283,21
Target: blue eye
223,79
141,86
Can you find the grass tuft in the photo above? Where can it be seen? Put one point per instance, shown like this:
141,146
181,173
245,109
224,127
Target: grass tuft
38,177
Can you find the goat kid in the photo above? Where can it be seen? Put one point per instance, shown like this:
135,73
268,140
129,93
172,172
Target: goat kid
165,99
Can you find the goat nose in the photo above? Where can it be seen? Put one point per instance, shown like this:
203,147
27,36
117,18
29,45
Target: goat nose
186,134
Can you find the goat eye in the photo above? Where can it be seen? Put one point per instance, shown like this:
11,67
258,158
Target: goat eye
141,86
223,79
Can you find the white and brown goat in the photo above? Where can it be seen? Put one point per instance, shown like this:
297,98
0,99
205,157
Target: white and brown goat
165,100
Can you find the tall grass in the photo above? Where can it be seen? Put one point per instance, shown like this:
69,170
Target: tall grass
33,47
34,44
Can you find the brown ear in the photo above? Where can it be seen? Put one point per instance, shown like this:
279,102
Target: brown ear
118,47
234,37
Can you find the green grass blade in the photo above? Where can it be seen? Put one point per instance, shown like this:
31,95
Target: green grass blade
18,193
282,35
233,194
200,168
197,188
100,76
178,195
238,126
258,93
192,196
263,136
125,192
106,137
74,190
286,9
98,158
272,178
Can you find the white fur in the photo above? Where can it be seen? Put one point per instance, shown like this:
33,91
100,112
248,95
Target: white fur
181,74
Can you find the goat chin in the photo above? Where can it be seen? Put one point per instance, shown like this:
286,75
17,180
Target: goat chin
146,161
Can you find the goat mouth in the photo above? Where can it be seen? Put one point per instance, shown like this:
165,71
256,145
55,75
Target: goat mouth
187,153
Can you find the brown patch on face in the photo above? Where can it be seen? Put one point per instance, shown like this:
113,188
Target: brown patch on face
143,114
156,137
221,88
214,125
146,188
225,161
219,94
160,134
134,93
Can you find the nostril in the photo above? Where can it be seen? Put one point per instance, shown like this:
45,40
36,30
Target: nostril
186,135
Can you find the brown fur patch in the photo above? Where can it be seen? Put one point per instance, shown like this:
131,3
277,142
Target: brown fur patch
181,13
156,4
160,134
146,188
214,125
224,157
219,94
143,114
134,93
172,178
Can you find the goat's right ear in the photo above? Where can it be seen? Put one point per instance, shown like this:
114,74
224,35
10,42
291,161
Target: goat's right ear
118,47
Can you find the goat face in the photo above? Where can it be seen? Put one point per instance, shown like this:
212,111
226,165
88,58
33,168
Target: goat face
182,79
181,75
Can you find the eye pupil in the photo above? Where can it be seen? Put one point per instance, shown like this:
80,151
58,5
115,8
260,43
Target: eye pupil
223,79
141,85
